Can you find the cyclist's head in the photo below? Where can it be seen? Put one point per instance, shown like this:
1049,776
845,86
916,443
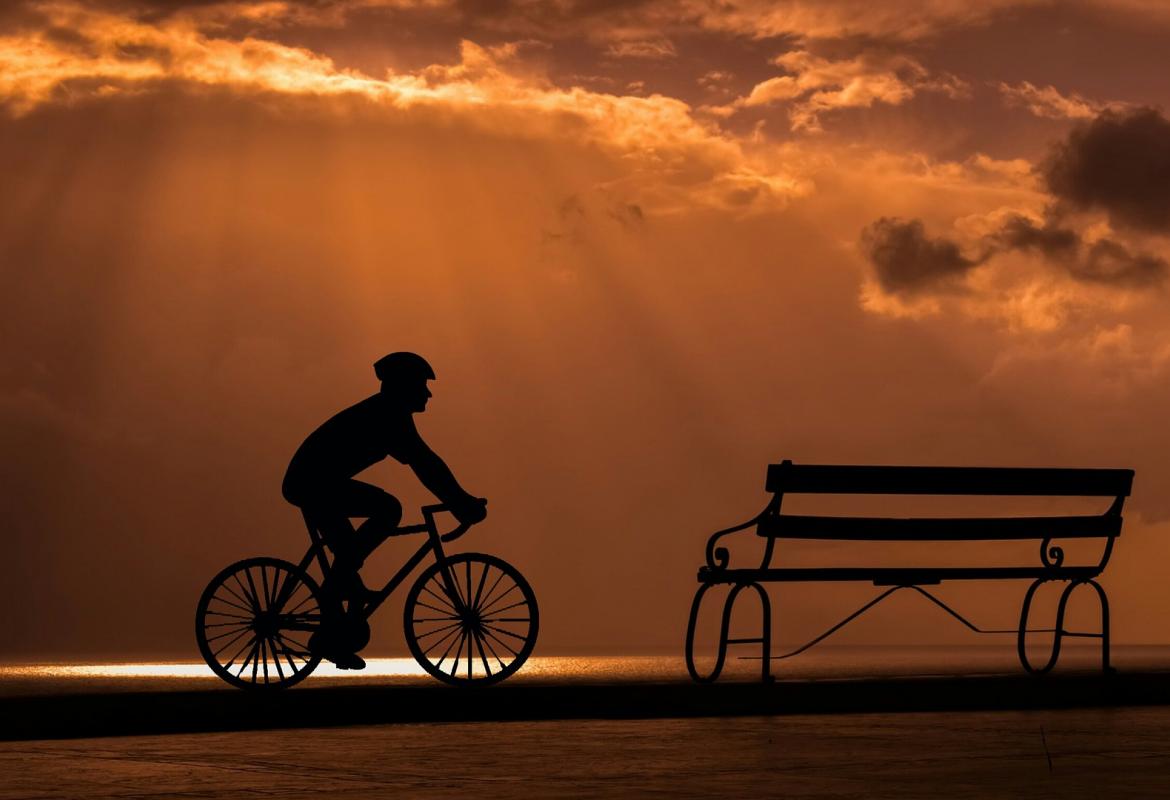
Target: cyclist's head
404,376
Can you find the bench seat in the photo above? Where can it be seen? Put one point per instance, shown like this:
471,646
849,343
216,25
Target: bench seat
888,529
895,576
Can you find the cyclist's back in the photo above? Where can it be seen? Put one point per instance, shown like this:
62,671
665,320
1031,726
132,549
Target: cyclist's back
348,443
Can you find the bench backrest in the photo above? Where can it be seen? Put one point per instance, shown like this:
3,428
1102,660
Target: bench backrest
789,478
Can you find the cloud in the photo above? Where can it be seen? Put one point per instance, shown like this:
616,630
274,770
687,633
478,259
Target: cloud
1102,260
902,20
1048,101
814,85
1111,262
108,54
907,260
1120,164
652,49
803,20
1020,232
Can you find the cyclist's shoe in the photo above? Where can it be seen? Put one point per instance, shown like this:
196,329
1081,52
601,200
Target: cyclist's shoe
348,661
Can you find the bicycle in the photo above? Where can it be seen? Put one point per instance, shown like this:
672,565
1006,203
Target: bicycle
255,618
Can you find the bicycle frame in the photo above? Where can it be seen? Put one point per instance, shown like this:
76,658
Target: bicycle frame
433,544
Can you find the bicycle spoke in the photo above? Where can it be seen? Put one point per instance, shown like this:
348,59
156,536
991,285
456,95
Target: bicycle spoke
226,602
229,644
237,632
246,620
488,606
458,598
479,589
455,661
432,608
443,600
495,655
501,642
225,586
226,624
443,658
251,650
255,663
297,607
276,658
523,602
455,624
264,583
508,619
506,633
247,598
301,653
255,595
482,654
435,645
470,639
489,591
283,593
287,638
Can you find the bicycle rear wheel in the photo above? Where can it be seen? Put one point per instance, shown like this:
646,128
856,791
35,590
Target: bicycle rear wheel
254,621
477,630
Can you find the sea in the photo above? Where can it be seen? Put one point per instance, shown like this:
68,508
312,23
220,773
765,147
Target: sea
1097,752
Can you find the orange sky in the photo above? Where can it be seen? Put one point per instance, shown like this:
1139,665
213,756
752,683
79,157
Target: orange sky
649,248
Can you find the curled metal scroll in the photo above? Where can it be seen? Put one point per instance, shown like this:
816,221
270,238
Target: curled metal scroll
720,557
1051,555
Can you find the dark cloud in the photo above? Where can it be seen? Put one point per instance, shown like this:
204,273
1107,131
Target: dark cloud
1103,261
1118,163
1111,262
906,260
1051,240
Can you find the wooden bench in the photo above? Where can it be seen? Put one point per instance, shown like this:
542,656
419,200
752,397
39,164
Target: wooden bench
788,478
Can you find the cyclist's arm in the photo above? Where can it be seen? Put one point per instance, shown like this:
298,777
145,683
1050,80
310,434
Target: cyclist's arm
434,474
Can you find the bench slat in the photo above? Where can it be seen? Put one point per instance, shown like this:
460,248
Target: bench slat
885,529
891,576
1057,482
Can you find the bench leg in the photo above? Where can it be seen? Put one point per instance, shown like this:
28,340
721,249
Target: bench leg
1105,665
1058,632
690,652
765,639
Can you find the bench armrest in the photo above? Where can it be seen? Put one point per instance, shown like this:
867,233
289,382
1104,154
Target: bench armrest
720,557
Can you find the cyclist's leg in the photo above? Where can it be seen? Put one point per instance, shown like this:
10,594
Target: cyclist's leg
350,548
381,509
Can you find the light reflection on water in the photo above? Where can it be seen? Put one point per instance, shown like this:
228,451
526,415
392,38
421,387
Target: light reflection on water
56,677
548,667
828,662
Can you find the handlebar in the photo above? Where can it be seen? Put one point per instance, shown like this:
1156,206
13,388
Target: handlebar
429,513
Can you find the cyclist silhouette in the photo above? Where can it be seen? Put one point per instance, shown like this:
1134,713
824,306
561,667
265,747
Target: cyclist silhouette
320,480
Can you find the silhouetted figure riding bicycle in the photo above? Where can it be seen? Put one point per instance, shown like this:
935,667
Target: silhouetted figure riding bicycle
320,480
264,612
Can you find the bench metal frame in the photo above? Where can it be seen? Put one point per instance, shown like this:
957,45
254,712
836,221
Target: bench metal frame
789,478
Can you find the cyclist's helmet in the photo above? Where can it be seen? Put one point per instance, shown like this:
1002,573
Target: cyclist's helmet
403,368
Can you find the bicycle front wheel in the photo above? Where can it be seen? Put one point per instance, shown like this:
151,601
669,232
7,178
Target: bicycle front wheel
471,620
254,621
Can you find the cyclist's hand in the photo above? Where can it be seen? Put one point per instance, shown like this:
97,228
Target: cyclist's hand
473,510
